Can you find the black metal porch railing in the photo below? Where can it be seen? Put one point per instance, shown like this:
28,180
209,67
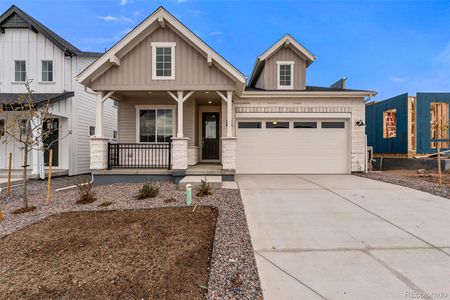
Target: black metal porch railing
142,156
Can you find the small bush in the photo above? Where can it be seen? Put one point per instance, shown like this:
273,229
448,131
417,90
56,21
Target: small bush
204,189
147,191
86,194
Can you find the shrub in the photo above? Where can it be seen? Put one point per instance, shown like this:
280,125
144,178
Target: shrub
204,189
86,194
147,191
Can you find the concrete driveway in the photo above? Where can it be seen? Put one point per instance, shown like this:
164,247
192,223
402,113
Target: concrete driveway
346,237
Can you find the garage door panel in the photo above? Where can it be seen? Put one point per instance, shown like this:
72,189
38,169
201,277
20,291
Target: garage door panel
293,151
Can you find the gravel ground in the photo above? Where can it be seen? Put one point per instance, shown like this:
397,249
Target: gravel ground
233,272
425,182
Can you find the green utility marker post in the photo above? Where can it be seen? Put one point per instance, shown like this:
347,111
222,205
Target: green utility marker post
188,194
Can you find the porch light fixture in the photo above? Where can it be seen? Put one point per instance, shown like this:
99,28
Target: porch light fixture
274,123
206,92
360,123
149,92
209,102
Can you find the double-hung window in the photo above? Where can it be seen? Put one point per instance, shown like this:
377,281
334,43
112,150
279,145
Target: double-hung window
285,79
163,61
20,70
47,70
155,125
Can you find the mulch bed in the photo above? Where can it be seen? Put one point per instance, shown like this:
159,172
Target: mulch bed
426,182
161,253
232,273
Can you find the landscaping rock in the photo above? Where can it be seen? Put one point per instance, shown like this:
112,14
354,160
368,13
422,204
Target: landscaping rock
232,250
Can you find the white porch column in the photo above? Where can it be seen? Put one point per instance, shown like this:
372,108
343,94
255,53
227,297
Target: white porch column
99,115
180,143
229,113
180,114
99,144
229,143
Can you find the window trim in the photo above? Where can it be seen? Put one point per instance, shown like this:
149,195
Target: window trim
285,87
42,71
156,107
385,112
18,60
172,59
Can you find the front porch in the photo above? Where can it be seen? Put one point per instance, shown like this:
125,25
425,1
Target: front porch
167,133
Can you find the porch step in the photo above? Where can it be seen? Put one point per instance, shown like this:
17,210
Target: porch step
215,182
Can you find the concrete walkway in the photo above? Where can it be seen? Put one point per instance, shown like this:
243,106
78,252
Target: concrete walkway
346,237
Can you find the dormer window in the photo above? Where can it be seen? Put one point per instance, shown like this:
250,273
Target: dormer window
285,75
163,61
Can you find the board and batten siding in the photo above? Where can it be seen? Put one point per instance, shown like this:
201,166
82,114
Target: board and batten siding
24,44
191,69
269,75
354,106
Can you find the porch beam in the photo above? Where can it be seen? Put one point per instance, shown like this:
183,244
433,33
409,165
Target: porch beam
209,60
161,22
108,95
115,60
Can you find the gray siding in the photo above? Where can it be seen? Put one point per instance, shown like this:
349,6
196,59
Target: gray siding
269,75
135,70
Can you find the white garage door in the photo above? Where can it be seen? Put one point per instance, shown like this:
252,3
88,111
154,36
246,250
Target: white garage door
293,147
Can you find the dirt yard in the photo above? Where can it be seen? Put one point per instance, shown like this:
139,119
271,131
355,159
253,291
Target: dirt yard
426,182
232,273
160,253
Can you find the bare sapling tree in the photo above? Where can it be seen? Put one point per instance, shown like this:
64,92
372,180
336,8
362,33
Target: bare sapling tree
25,125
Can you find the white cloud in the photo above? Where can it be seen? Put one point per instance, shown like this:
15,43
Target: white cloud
444,55
118,19
195,12
125,2
398,79
215,33
181,1
137,13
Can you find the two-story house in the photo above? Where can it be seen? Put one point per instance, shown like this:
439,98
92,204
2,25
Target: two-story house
181,104
31,51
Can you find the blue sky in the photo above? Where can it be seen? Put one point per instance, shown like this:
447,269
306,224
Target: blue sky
388,46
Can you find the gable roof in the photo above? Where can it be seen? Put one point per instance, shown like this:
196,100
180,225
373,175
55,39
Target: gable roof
286,40
14,17
161,17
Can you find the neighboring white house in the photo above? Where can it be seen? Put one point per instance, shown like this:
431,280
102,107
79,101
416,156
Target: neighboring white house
31,51
181,104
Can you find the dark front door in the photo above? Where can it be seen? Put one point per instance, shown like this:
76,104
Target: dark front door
210,135
51,126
